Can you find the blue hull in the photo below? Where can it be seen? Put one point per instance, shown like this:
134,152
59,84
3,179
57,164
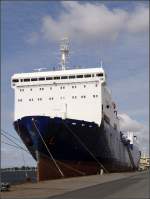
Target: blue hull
65,139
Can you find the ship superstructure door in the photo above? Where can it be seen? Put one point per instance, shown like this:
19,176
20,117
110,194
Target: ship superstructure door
60,110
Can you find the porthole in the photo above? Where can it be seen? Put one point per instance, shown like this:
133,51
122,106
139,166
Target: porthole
57,77
19,100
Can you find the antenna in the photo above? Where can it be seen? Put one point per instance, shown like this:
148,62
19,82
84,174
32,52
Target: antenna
101,64
64,49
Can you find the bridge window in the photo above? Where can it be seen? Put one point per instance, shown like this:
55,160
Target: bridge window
71,76
33,79
88,75
79,76
57,77
15,80
99,74
64,77
26,80
49,78
42,78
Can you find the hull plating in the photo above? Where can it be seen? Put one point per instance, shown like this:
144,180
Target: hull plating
65,140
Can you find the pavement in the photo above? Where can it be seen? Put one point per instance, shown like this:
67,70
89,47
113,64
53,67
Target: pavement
136,186
114,185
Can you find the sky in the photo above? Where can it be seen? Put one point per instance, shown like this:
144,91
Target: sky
116,32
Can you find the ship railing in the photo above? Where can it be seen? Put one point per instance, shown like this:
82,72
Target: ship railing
58,68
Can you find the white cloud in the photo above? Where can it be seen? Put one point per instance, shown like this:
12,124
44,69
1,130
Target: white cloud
89,20
141,131
139,20
128,124
32,37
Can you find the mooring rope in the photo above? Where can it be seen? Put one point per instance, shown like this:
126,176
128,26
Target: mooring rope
15,146
71,168
13,141
10,135
85,147
57,166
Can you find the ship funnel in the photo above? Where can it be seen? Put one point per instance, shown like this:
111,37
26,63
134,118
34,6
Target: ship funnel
64,49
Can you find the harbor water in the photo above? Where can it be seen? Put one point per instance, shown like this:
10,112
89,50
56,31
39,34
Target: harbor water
18,176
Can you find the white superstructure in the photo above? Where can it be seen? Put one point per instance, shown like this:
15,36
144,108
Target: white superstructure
79,94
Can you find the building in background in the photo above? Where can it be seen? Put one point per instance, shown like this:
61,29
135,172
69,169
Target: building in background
144,163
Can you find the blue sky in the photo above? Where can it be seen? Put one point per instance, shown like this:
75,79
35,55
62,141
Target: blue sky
116,32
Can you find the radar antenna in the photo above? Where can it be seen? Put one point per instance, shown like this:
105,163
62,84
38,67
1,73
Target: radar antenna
64,49
101,64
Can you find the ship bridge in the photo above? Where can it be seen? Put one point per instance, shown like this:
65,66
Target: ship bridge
76,75
64,93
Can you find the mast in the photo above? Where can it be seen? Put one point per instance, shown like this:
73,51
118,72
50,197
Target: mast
64,49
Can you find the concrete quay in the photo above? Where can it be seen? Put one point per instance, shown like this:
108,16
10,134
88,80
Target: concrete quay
60,187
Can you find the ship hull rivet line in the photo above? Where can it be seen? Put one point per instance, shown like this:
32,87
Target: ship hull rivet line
85,147
55,163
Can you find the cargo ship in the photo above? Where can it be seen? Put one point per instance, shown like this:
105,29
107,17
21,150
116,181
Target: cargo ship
69,123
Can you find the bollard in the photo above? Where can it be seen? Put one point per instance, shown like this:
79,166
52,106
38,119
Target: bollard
101,172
